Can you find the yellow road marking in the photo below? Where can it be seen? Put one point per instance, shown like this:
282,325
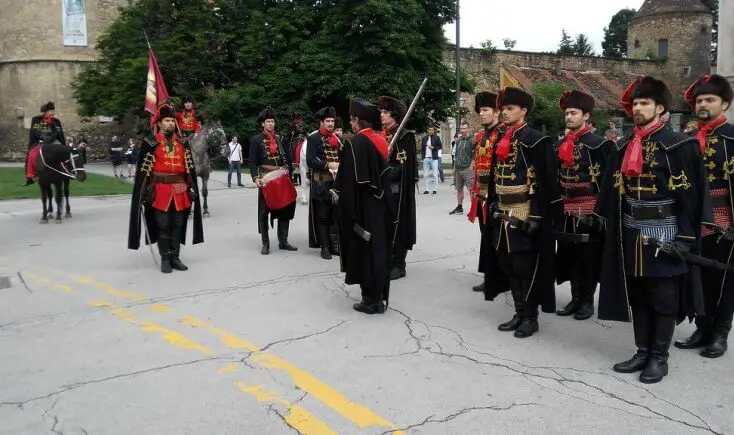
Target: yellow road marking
358,414
62,288
229,368
160,308
298,418
116,311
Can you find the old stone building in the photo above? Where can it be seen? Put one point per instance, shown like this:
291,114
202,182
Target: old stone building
43,45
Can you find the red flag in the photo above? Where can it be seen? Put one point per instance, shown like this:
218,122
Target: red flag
155,90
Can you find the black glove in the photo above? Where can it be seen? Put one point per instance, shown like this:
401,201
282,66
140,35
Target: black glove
679,248
530,226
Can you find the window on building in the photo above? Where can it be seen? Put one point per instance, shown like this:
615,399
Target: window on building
637,43
704,30
687,71
662,48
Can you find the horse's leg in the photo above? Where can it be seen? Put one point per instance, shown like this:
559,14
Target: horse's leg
66,197
59,198
44,195
205,191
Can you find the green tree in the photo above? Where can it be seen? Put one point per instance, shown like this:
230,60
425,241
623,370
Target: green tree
546,115
509,43
582,46
615,35
565,48
714,6
488,46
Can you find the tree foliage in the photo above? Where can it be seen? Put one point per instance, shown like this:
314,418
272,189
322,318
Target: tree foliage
565,48
547,115
615,35
509,43
237,57
713,5
582,46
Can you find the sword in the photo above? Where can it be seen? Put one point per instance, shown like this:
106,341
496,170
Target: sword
724,233
361,232
407,116
572,238
688,257
145,225
512,220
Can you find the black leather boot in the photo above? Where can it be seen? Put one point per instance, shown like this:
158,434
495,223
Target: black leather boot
28,182
586,309
572,307
528,323
323,234
478,288
164,247
283,244
641,325
398,268
700,337
657,364
265,236
176,234
720,336
334,243
513,323
369,305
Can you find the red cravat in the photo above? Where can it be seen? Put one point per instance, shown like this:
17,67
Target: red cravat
632,164
565,152
704,129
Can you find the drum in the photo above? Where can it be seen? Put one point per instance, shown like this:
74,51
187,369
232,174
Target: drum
278,189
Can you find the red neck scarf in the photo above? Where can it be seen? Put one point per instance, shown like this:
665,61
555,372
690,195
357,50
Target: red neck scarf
49,120
377,139
333,142
503,148
704,129
272,144
565,152
632,164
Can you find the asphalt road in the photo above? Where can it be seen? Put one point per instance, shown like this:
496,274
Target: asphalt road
94,340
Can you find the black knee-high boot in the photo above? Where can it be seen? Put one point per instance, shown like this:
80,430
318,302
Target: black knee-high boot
643,336
283,226
657,364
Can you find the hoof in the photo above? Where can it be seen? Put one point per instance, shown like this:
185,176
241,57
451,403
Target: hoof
43,221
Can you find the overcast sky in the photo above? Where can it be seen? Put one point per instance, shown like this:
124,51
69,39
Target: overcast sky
535,24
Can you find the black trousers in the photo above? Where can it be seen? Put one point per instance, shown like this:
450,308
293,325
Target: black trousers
399,254
519,267
170,230
584,269
657,296
718,287
325,222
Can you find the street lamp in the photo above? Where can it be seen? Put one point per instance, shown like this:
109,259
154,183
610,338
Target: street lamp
458,75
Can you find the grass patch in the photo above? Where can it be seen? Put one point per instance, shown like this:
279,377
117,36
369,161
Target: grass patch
95,185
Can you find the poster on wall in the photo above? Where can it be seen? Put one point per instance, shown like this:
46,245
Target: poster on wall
74,18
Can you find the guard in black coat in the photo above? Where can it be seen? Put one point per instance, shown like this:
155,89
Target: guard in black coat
322,156
403,178
582,158
522,231
45,128
365,210
267,154
165,191
709,97
651,201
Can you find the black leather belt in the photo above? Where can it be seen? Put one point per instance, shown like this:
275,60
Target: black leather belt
580,191
173,178
720,201
650,212
514,198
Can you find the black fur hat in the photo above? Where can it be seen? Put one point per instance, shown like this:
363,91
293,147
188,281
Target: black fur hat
165,110
648,87
266,113
485,99
326,112
396,107
339,123
48,106
709,84
364,110
515,96
187,99
577,100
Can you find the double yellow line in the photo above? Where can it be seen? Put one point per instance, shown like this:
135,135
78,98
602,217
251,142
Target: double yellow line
296,416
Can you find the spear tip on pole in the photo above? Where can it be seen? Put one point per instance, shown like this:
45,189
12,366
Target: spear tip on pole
146,39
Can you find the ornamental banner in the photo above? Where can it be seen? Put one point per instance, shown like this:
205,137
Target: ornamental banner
74,22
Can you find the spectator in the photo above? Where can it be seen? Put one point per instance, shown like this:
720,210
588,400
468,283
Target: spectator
115,148
430,145
592,127
691,127
613,128
463,167
131,153
81,148
611,135
235,162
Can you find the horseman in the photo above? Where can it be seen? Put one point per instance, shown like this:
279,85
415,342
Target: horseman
165,188
188,121
45,128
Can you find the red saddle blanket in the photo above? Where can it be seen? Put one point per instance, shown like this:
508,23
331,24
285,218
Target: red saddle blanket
30,164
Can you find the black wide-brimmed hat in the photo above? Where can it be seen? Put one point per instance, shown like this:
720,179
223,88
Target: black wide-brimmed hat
396,107
364,110
646,87
515,96
326,112
485,99
577,100
709,84
266,113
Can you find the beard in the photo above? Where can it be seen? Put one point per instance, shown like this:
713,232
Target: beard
642,120
704,115
574,126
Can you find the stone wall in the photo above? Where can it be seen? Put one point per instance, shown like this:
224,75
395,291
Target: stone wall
725,64
689,40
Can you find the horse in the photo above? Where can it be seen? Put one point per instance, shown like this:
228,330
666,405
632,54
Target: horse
56,165
204,146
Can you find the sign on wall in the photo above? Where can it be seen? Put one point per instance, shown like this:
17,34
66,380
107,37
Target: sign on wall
74,16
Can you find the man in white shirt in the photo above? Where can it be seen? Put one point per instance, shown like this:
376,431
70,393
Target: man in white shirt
235,162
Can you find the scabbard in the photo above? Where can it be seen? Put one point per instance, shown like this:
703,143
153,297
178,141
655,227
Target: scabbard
698,260
572,238
361,232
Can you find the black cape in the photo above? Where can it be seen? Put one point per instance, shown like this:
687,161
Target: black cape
258,157
537,149
141,181
363,201
406,175
316,161
683,154
40,131
599,151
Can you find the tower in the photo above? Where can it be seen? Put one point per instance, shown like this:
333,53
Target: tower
678,31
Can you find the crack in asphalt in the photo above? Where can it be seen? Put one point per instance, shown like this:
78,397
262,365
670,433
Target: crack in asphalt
430,419
25,284
302,337
66,388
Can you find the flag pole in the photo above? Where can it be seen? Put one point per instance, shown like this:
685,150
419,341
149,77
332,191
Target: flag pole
146,39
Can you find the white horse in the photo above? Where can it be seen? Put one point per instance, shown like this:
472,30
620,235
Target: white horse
305,182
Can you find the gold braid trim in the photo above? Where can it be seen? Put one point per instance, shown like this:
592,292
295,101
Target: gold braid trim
147,165
519,210
188,159
682,180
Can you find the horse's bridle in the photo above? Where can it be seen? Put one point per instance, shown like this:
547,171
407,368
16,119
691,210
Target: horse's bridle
71,158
